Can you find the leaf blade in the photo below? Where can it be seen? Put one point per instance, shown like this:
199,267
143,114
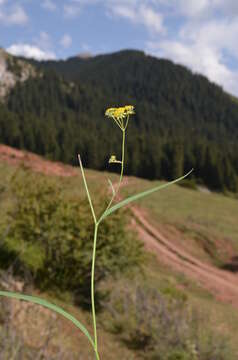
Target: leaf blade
39,301
113,190
140,195
87,190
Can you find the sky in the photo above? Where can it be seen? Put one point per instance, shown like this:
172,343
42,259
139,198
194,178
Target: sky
200,34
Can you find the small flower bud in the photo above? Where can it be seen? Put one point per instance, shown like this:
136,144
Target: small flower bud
112,159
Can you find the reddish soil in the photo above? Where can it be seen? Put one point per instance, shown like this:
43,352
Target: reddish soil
18,157
222,284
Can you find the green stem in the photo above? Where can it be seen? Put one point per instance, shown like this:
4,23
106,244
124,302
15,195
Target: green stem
97,355
122,158
121,175
95,244
92,289
95,236
93,259
118,122
127,119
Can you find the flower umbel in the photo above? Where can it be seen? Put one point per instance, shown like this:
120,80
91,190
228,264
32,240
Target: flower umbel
118,114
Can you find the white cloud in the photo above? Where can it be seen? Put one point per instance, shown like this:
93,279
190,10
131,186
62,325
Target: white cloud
49,5
218,34
15,15
141,14
124,11
193,7
40,49
30,51
151,19
66,41
137,11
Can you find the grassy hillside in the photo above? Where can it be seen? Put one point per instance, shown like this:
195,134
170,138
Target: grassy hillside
189,218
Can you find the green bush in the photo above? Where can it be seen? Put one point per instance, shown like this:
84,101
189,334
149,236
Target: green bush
53,237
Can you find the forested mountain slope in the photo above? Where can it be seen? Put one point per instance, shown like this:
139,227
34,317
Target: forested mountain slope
182,120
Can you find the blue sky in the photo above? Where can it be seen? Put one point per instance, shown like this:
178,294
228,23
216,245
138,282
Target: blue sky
200,34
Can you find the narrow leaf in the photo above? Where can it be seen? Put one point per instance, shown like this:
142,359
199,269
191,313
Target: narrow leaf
140,195
48,305
87,191
113,190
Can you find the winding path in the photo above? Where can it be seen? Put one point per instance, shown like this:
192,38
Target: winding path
222,284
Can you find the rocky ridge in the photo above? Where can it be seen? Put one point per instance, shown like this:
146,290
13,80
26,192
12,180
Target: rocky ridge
12,70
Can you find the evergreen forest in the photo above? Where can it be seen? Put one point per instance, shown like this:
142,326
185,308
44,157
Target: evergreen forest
182,120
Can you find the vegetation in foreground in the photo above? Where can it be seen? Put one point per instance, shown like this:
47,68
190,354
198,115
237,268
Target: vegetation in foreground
120,116
119,292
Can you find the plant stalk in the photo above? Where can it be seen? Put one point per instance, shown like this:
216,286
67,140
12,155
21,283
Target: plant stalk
122,158
92,291
121,175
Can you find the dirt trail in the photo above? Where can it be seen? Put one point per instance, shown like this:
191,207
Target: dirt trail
222,284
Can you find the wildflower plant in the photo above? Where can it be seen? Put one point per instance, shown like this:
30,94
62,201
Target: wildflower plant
121,117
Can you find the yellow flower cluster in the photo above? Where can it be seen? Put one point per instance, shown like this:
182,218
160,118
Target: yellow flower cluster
120,112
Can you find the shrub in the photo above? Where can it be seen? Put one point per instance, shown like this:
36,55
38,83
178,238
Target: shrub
162,328
53,238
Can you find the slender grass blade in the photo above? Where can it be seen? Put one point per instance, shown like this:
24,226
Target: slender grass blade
50,306
141,195
113,190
